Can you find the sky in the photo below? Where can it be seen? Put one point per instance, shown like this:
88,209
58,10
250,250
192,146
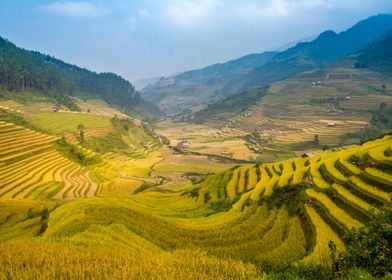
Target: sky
149,38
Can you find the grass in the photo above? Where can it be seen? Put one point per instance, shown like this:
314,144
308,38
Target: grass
34,169
228,225
324,234
75,262
338,214
60,122
354,200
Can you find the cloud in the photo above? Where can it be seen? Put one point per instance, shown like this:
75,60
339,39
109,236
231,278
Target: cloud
71,9
143,13
140,15
132,23
190,13
276,10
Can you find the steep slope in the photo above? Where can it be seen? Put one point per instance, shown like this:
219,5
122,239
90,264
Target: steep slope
196,87
377,56
268,215
29,71
326,48
349,95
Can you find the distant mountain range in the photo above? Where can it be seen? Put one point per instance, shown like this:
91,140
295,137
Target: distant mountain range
200,87
140,84
376,57
29,71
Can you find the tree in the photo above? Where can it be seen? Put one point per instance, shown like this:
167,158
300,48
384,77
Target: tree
382,106
22,70
81,128
207,197
369,247
44,220
316,140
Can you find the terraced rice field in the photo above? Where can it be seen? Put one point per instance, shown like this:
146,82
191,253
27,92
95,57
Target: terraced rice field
206,141
31,167
294,111
343,189
243,214
61,122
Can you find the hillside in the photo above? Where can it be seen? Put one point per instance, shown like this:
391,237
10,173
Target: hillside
343,97
65,155
196,87
32,73
327,47
239,223
377,56
192,88
272,166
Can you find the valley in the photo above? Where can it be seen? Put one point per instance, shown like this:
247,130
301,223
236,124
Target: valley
272,166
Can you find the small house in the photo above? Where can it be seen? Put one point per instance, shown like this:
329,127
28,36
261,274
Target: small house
308,154
183,144
331,124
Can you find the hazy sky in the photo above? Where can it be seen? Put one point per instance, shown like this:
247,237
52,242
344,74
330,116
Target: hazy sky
144,38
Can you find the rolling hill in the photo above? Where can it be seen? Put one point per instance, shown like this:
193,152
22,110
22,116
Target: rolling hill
351,96
32,73
286,175
238,223
189,89
200,87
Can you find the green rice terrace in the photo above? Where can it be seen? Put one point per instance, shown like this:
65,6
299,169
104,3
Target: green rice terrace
58,196
275,165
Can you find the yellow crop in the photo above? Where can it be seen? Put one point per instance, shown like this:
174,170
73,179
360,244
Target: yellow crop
324,234
317,178
233,183
347,195
287,173
252,178
340,215
333,171
379,175
370,189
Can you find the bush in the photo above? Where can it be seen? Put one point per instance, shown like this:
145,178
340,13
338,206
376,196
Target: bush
44,220
369,248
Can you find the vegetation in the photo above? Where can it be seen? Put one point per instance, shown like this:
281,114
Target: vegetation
125,134
24,71
369,248
60,122
76,154
154,225
91,195
381,122
235,104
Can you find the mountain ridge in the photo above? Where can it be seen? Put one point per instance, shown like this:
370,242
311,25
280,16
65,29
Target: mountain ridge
185,91
22,70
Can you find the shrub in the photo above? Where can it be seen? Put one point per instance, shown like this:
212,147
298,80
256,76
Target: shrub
369,248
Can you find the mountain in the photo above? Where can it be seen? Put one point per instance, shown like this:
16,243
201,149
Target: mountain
289,45
353,92
377,56
140,84
195,87
326,48
29,71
